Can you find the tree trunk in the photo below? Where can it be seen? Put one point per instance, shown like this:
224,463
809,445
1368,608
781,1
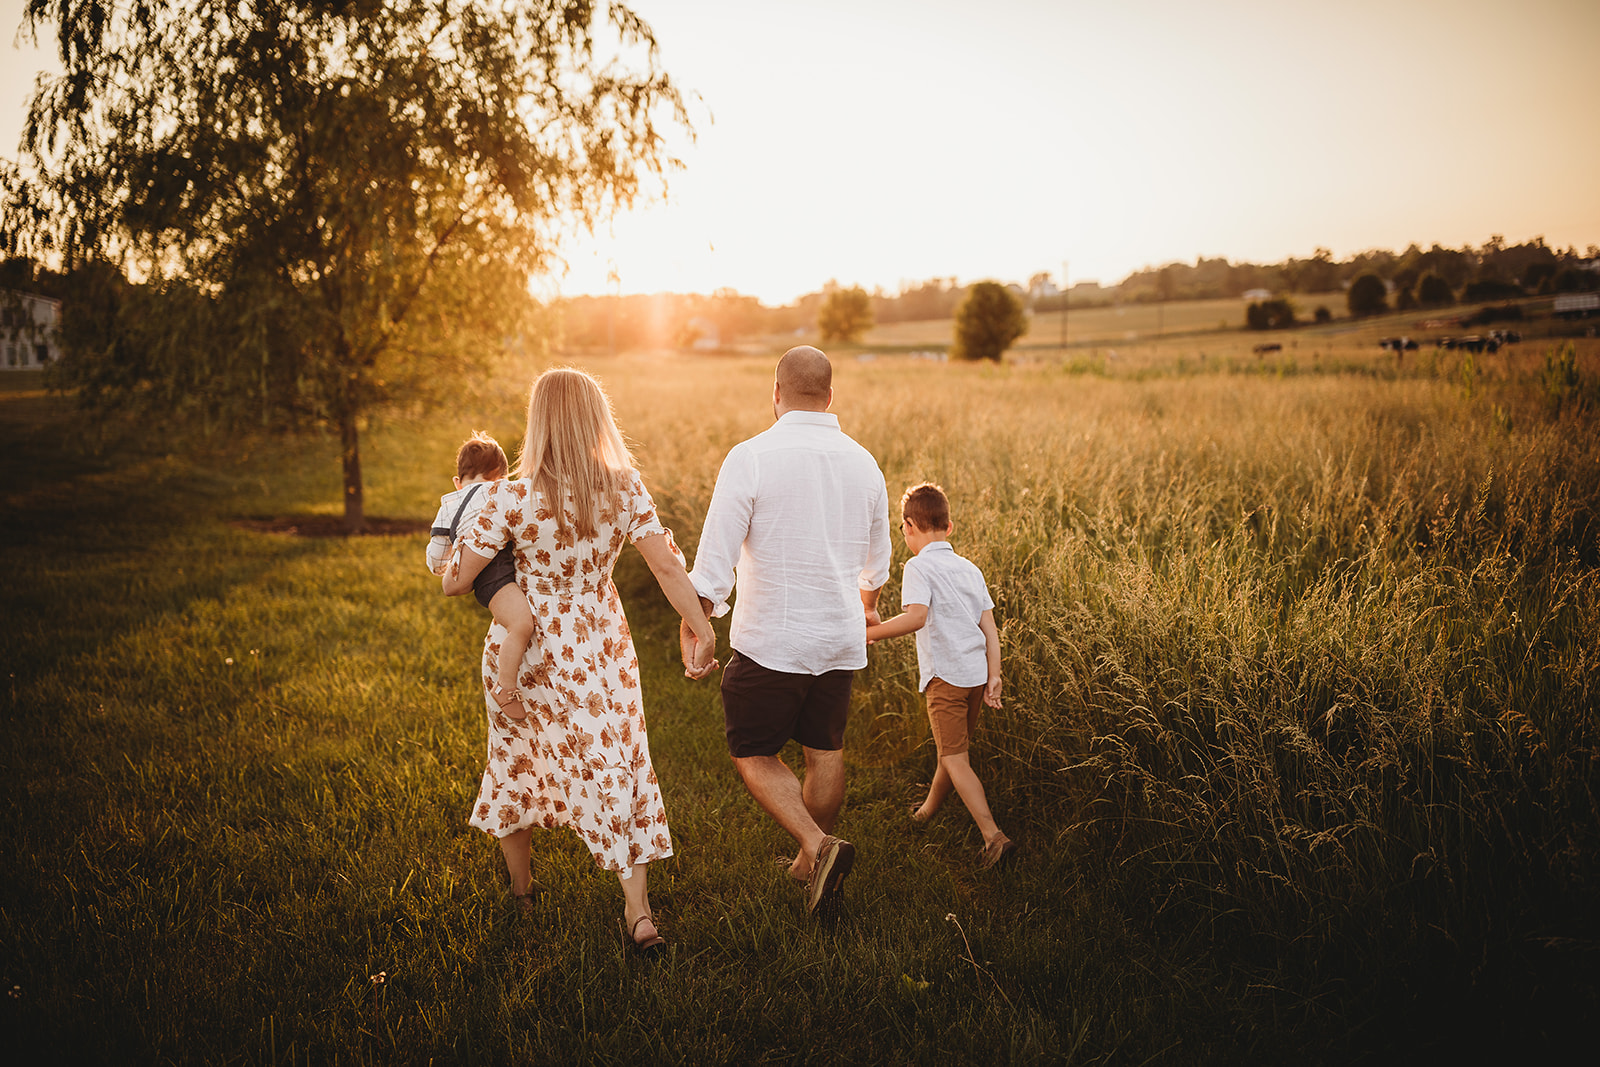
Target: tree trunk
355,518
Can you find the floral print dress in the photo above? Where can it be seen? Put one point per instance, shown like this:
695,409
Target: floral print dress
581,759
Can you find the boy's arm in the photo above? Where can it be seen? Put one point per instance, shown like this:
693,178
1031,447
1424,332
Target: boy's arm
991,638
907,622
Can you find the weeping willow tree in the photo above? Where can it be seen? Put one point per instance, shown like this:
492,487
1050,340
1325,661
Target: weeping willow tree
292,212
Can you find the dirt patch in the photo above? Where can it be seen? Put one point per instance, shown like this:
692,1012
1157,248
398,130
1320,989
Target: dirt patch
329,526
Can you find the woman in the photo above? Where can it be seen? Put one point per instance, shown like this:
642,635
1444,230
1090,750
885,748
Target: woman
580,758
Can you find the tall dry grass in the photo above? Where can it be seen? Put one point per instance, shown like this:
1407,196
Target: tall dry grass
1312,661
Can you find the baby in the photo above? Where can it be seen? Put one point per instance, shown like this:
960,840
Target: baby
480,460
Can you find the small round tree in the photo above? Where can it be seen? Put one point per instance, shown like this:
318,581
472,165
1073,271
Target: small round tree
1434,292
1368,296
1270,315
845,315
988,320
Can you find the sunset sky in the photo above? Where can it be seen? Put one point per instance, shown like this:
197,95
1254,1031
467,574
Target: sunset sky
882,142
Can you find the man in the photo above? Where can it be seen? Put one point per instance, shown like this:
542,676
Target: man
799,523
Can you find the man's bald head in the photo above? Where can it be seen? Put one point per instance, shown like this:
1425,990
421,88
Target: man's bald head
804,379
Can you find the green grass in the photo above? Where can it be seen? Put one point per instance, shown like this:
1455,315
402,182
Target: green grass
1299,741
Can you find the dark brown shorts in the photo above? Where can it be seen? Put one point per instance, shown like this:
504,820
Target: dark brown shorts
953,713
762,709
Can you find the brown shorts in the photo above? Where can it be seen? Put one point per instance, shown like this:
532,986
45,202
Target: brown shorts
953,713
762,708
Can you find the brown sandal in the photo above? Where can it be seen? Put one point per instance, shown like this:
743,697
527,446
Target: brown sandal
648,945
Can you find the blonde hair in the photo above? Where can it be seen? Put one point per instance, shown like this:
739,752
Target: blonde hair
573,446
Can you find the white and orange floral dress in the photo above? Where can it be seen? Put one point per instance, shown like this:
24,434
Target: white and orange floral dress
582,759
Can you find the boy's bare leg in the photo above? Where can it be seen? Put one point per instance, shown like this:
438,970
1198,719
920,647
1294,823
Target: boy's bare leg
511,611
958,769
938,792
776,789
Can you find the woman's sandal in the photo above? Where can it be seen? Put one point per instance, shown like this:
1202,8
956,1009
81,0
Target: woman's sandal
524,902
499,692
650,944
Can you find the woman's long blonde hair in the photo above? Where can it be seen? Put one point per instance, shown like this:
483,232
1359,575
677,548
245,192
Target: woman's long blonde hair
573,446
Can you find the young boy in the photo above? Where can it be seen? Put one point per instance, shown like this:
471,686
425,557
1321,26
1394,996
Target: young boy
480,460
946,604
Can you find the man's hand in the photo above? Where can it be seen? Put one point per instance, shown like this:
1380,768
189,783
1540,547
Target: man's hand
869,606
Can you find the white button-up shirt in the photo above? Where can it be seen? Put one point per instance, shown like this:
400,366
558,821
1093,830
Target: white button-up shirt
799,522
950,645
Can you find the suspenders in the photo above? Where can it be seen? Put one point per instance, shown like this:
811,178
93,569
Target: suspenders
464,502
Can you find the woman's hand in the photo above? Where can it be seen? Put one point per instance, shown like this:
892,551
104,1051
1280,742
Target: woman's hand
697,651
697,642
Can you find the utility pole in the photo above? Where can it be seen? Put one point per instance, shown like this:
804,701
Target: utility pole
1063,309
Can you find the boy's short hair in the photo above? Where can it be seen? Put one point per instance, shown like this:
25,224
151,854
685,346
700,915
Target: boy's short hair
480,456
926,506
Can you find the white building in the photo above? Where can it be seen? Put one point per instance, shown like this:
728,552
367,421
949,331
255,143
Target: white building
28,330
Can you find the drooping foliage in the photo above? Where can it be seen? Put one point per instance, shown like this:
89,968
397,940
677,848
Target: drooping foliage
293,211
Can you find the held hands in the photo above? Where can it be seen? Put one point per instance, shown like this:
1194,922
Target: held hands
698,654
873,620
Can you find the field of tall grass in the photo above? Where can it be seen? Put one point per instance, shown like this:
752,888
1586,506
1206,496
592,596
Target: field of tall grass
1301,738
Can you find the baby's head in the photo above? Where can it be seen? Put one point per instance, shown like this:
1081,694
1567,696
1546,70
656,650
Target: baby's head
479,459
924,515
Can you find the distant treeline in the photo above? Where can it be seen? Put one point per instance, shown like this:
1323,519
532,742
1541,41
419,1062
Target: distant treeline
1497,269
1416,277
683,320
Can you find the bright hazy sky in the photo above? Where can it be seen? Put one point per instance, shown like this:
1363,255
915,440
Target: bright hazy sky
882,142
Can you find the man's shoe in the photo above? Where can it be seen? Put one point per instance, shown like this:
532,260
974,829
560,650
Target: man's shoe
824,887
